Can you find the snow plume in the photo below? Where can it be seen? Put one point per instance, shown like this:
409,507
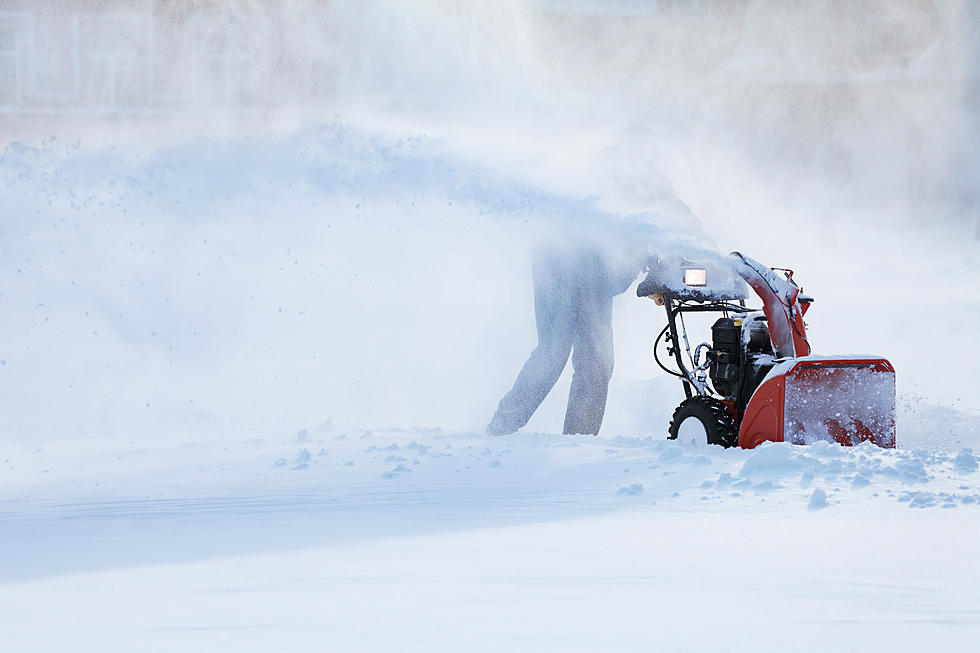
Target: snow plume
163,264
331,274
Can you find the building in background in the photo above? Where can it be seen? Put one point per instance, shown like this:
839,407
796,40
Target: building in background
827,86
149,56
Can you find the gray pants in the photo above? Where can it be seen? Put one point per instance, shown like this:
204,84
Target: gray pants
573,292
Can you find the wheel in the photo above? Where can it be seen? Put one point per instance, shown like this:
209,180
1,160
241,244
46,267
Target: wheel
703,420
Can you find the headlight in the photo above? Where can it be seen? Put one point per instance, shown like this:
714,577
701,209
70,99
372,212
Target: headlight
695,276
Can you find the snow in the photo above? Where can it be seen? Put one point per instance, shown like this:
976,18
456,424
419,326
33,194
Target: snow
570,543
785,366
198,451
247,354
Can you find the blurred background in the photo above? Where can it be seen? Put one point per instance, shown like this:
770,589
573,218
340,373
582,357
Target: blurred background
222,216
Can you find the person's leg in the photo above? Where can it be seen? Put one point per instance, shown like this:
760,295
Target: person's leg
592,359
555,319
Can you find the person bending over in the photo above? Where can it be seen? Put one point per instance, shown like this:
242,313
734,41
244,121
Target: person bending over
574,286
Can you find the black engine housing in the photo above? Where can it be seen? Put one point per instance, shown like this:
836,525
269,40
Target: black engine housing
739,361
726,356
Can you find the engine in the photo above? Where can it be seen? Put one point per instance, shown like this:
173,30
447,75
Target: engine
741,355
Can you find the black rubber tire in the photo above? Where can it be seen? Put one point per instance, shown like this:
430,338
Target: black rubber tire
718,422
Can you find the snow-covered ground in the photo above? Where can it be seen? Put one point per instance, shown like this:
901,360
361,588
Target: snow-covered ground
431,540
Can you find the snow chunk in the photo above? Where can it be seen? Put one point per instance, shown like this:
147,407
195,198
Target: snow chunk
818,500
908,472
772,459
860,480
965,461
635,489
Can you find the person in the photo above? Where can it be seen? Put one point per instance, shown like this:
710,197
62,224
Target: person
576,279
574,286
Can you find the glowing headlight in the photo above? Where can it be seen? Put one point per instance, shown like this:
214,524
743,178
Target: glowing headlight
695,276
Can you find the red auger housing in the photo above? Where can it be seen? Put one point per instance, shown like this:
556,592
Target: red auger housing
757,380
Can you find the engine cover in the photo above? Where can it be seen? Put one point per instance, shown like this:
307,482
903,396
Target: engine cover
726,356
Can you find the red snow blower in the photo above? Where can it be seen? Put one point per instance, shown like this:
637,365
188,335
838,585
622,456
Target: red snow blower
756,380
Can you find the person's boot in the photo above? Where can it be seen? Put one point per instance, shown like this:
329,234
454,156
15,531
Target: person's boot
497,426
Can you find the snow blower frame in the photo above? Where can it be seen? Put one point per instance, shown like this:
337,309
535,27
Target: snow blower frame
756,380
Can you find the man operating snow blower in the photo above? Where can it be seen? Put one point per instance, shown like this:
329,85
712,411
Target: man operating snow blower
577,276
574,285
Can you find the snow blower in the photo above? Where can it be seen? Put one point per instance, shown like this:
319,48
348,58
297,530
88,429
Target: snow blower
757,380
